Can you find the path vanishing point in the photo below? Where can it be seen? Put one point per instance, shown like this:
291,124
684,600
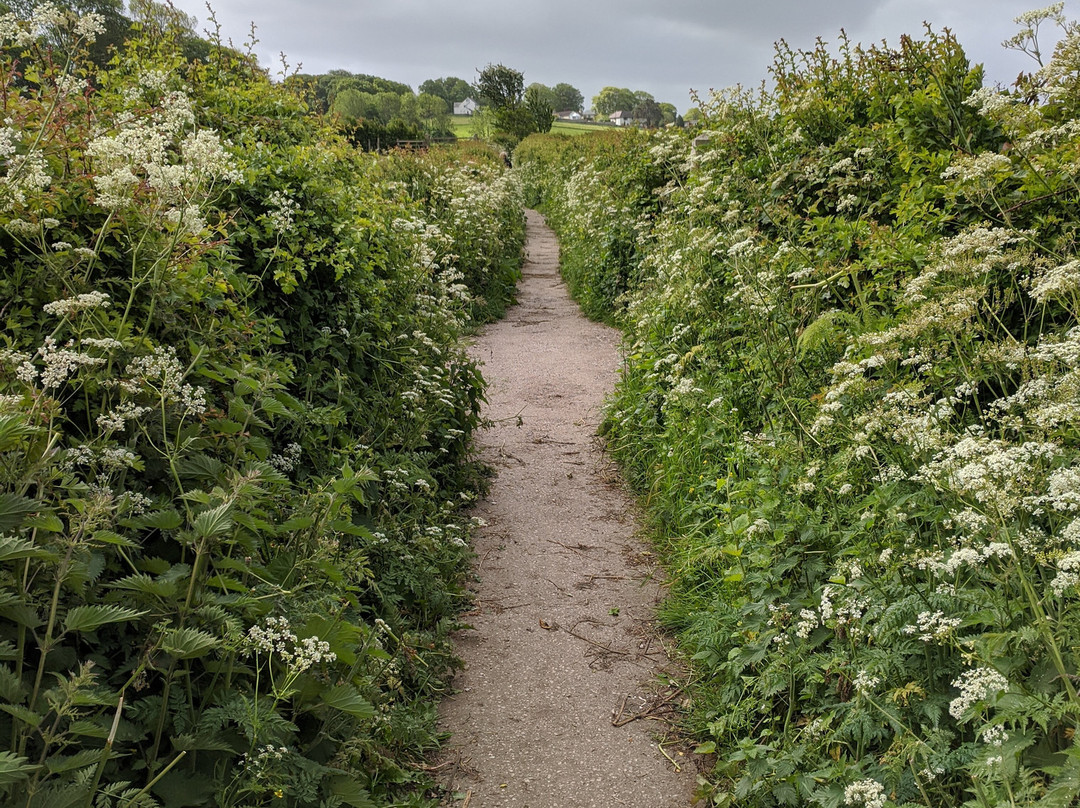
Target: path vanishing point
563,652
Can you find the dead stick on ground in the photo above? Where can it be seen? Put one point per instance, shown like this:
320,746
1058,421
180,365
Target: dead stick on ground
556,586
577,549
650,713
606,648
468,799
615,720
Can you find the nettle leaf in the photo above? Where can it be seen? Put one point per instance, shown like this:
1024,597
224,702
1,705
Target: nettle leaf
189,742
14,768
14,509
146,585
24,714
214,522
350,792
114,538
88,618
347,699
13,429
12,548
67,763
160,520
11,686
188,643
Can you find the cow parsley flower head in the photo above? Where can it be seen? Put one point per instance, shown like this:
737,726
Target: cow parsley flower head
867,793
83,302
275,636
864,683
976,684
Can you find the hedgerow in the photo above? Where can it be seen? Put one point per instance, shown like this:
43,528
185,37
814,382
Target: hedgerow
235,417
850,403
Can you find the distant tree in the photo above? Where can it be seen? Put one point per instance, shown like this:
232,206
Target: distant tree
502,89
567,97
499,86
538,102
328,85
451,89
648,112
542,91
409,111
433,113
387,106
693,115
669,113
354,105
612,99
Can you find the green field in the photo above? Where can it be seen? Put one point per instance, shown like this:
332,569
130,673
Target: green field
462,126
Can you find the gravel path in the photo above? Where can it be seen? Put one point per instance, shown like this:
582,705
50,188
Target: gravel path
563,646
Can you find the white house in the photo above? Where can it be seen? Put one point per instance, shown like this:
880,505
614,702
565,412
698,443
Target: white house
466,107
569,115
620,118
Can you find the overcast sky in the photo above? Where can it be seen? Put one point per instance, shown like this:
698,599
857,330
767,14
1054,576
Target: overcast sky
665,47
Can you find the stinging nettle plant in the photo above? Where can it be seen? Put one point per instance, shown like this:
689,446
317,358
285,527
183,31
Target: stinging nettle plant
850,402
234,426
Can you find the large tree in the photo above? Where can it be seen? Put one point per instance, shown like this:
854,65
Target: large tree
543,92
648,112
502,90
433,113
613,99
499,86
451,89
567,97
540,109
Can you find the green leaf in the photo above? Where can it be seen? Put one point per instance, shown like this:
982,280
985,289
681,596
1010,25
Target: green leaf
14,509
707,748
14,768
24,714
12,548
214,522
348,700
45,521
188,643
88,618
67,763
161,520
114,538
272,406
144,584
13,428
350,792
11,686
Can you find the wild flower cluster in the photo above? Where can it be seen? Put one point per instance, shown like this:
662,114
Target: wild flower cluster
235,414
852,354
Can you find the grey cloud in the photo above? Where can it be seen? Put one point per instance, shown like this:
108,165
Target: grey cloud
665,48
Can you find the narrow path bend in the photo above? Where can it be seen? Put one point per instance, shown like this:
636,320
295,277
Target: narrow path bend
563,633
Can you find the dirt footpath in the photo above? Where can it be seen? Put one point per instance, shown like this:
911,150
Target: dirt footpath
563,648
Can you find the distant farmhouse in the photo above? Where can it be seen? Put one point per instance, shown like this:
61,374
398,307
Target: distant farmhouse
620,118
466,107
569,115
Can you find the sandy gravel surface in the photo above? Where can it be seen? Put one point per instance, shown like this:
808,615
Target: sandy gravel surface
563,645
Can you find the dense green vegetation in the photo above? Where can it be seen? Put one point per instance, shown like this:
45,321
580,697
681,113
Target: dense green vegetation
234,429
850,403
